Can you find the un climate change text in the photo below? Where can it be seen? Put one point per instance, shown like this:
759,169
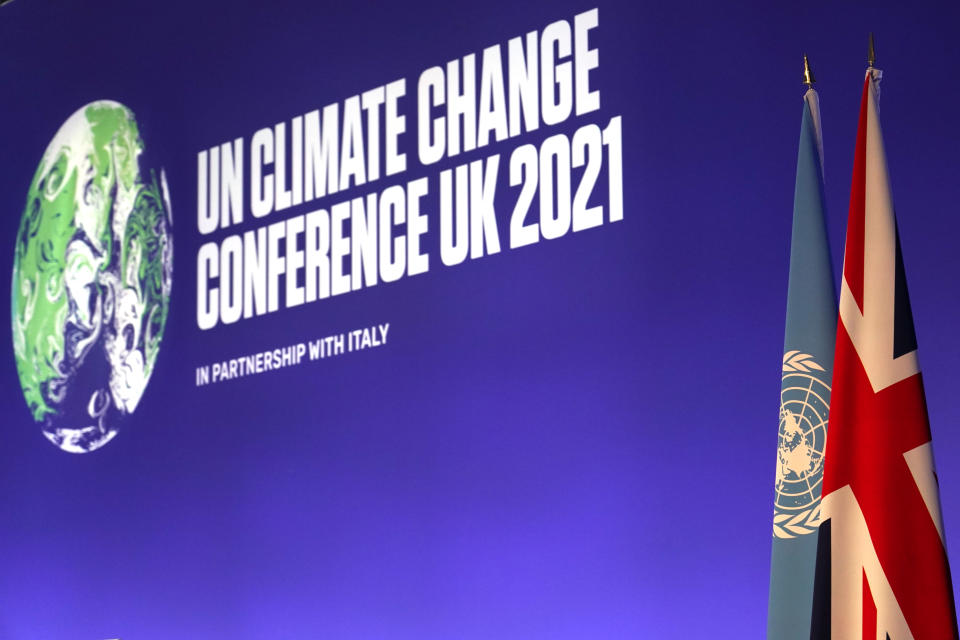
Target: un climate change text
540,79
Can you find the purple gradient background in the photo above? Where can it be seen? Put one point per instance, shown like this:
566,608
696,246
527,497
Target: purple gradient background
574,439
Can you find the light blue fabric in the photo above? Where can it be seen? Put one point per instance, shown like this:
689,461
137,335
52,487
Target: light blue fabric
809,340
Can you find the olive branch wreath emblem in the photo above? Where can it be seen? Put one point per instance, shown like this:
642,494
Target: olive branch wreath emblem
786,524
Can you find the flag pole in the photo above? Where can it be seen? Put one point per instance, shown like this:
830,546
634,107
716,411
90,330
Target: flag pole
808,78
875,74
814,100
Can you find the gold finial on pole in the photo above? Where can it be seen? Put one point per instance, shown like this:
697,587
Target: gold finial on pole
808,78
871,53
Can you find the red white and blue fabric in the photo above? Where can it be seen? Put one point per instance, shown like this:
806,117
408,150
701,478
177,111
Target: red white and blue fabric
882,569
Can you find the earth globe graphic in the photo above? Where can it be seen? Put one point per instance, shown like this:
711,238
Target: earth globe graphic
92,274
804,412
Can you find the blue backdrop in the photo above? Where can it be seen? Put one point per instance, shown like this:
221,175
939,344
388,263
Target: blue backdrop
574,438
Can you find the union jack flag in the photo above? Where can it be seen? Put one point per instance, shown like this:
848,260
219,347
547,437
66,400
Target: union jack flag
882,568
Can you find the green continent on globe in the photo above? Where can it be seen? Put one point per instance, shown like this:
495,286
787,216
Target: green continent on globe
92,274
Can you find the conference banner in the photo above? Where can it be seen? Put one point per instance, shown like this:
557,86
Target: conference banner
438,320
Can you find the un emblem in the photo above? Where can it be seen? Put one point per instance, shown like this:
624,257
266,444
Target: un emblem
804,409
